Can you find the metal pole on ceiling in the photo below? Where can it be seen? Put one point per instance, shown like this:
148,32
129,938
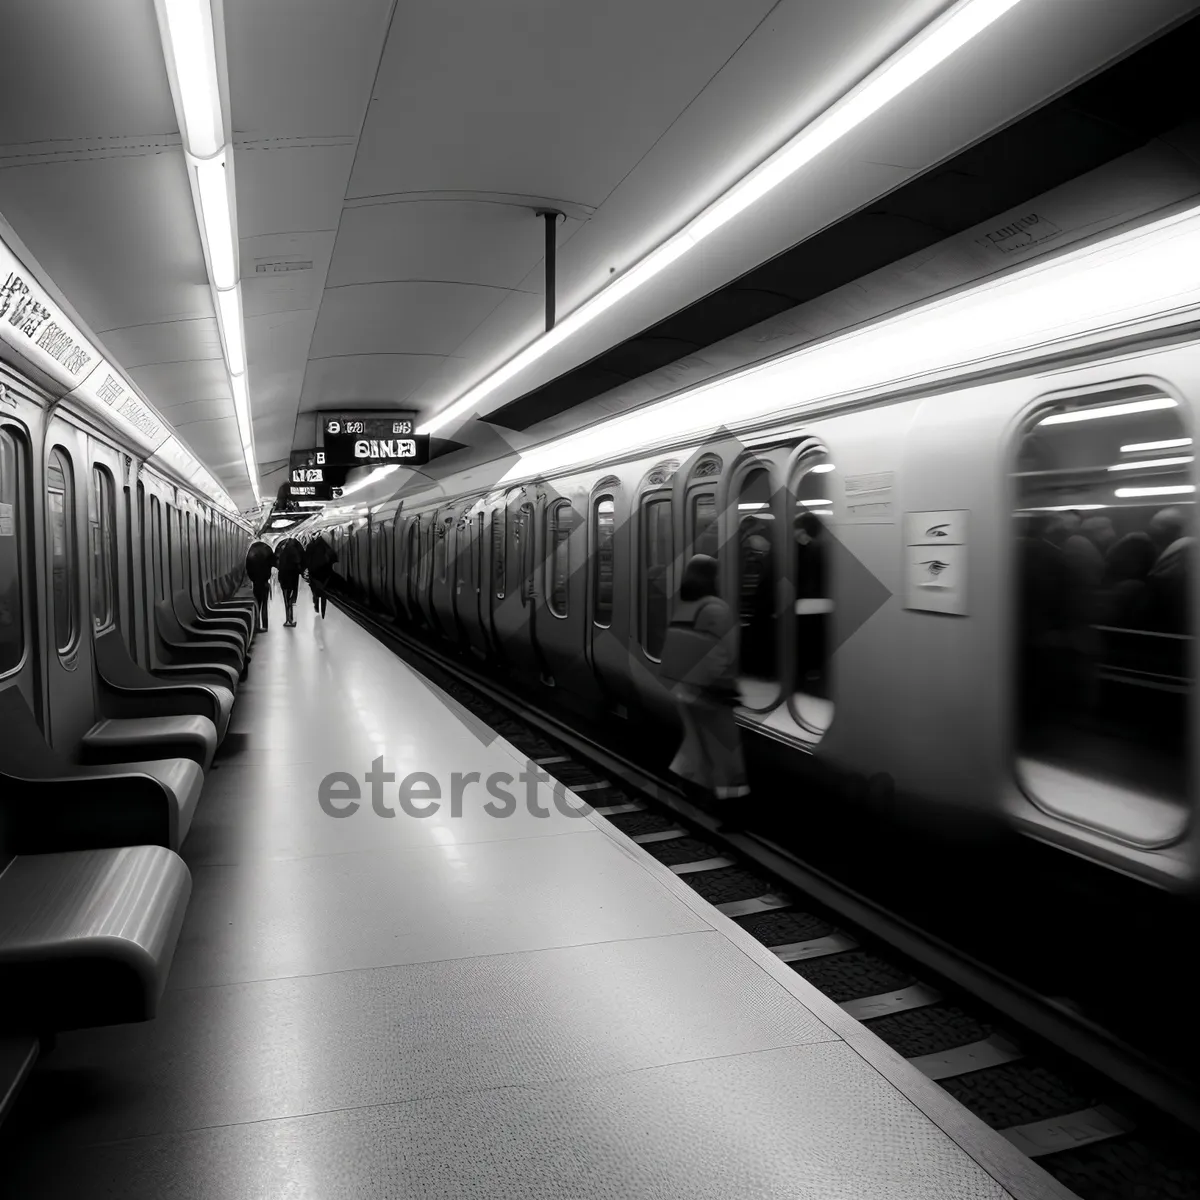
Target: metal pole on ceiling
551,216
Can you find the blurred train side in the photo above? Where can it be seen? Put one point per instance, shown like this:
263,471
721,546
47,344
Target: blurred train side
926,700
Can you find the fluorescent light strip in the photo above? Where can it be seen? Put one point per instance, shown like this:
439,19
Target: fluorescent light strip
920,56
1152,462
217,221
1112,410
815,503
1182,490
191,46
1168,444
821,468
1065,508
1131,277
229,309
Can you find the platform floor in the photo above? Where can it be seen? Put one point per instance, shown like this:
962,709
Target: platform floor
465,1006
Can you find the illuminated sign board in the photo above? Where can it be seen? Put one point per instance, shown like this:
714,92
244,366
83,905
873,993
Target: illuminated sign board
313,491
357,440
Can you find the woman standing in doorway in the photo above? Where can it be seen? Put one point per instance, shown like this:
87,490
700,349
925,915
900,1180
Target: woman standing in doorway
699,664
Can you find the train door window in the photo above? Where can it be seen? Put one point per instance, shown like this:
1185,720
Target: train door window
558,534
704,528
441,550
604,528
756,589
812,510
477,552
414,543
12,607
656,573
102,548
522,556
60,512
1105,532
498,518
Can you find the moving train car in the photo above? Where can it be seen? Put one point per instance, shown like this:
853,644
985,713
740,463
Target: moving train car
955,514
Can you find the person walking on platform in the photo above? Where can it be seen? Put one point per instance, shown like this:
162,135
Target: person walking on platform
700,664
289,562
319,557
260,561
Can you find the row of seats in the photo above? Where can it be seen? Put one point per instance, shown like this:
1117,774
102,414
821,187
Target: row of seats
92,888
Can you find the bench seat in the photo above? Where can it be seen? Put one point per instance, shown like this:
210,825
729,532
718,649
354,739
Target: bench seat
116,740
87,937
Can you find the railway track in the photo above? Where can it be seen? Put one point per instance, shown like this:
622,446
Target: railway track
1105,1120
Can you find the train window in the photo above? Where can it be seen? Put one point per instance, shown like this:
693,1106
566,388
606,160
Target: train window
704,524
812,510
440,550
477,552
1105,545
523,550
656,573
559,537
756,589
498,515
102,547
60,506
604,527
12,617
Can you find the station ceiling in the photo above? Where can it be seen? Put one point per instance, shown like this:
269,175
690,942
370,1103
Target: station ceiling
389,158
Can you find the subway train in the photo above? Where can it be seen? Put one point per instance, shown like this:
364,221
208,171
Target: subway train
959,537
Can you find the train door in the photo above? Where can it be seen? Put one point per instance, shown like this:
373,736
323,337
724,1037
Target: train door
19,666
442,573
609,583
514,608
70,690
652,556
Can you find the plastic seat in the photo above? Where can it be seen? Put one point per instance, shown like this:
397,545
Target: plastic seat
114,740
125,690
177,649
87,937
47,803
212,637
212,628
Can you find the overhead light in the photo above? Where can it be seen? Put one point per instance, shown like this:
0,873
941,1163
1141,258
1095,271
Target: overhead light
191,48
241,408
1168,444
216,214
229,308
815,503
1111,410
941,39
1064,508
821,468
1152,462
752,507
1180,490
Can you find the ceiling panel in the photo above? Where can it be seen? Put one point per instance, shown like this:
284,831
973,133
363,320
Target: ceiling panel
387,379
164,341
291,190
102,52
536,96
176,383
302,68
485,243
381,318
117,235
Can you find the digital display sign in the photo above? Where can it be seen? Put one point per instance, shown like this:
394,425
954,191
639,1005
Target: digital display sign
361,440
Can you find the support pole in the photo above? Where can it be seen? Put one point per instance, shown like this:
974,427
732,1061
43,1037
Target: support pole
551,217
